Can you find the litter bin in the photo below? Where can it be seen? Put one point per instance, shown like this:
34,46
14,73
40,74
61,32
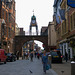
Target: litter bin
49,60
72,68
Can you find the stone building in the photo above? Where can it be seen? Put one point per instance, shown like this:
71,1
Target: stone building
51,36
22,32
7,13
44,31
65,27
17,30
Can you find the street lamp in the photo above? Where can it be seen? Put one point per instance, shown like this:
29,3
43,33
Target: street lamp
8,49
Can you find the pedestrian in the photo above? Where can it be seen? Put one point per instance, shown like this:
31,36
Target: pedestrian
31,56
66,56
35,54
17,55
26,55
44,60
38,55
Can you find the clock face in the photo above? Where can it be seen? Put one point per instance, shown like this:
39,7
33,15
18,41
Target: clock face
33,21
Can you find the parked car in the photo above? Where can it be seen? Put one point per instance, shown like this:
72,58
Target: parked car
3,57
56,56
11,57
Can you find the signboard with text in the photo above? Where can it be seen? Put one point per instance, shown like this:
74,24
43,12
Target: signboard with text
71,3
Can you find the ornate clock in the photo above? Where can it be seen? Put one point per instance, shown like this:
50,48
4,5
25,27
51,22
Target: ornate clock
33,24
33,21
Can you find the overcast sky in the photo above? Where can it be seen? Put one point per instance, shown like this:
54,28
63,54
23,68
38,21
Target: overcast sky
43,10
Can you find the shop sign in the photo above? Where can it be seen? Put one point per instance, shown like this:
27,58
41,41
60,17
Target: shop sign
71,3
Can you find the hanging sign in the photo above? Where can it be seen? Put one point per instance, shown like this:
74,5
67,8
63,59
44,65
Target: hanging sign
71,3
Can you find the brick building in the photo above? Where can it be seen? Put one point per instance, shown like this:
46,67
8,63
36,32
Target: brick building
7,13
65,28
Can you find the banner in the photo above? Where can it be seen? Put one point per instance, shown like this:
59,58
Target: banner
57,19
62,14
71,3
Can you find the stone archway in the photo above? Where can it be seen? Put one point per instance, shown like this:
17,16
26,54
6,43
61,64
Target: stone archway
20,40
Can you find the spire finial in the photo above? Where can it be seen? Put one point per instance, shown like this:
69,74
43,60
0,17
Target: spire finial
33,11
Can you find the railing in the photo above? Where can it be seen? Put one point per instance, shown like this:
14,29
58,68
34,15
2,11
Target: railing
32,33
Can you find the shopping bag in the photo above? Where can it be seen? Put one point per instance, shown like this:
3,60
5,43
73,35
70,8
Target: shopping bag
47,67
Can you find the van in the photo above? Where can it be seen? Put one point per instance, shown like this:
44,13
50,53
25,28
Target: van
3,57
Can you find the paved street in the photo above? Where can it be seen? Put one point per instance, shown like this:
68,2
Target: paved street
22,67
65,66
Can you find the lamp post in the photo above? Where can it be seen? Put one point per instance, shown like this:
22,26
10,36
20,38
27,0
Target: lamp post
8,49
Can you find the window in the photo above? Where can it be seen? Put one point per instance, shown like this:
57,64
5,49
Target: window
9,17
64,27
6,16
3,13
9,32
2,30
72,21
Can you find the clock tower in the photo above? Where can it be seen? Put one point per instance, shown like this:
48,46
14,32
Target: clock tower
33,23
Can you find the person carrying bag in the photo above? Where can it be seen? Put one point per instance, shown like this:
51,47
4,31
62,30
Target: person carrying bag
45,62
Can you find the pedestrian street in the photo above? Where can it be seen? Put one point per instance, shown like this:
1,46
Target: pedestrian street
24,67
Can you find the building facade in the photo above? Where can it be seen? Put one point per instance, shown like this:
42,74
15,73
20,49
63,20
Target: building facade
51,36
44,31
17,30
7,13
65,28
22,32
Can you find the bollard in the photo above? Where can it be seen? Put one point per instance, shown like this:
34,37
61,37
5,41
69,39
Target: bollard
49,60
72,68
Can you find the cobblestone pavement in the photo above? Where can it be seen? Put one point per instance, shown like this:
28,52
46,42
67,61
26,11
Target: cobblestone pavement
22,67
65,66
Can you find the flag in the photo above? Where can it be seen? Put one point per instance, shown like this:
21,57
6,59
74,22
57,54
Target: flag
57,19
62,13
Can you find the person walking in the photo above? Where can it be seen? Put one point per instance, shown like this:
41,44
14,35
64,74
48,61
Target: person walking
17,55
38,55
35,54
66,56
31,56
44,60
26,55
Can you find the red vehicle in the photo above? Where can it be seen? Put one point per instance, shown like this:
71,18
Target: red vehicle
3,57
